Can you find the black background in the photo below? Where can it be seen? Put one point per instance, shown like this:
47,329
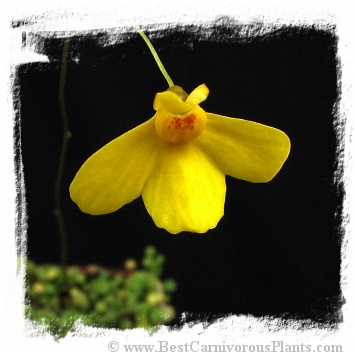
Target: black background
277,249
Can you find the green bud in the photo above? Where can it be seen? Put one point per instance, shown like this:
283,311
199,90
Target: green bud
100,286
162,314
100,306
130,264
121,294
155,298
50,289
38,288
79,299
75,277
125,323
150,251
53,273
156,315
170,285
137,282
168,313
117,280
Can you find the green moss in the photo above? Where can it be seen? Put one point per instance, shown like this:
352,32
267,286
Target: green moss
128,298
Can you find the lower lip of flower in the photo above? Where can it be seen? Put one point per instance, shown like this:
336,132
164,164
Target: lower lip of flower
178,128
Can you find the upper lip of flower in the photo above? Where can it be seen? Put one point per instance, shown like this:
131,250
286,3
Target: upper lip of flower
171,101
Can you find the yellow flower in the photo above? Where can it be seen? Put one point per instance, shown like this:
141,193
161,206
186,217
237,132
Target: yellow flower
177,161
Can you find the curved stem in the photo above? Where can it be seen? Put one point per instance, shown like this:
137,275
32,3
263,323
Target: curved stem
66,137
156,57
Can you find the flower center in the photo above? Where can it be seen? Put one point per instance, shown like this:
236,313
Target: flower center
177,128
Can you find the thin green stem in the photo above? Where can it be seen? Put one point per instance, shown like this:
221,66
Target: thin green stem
156,57
66,136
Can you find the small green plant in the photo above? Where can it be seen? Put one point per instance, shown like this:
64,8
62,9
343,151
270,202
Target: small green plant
131,297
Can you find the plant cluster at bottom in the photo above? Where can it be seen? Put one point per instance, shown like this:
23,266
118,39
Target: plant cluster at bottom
132,297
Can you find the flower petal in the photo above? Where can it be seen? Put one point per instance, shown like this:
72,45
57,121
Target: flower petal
186,191
171,102
198,95
244,149
115,175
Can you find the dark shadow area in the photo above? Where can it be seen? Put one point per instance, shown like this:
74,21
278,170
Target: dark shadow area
276,251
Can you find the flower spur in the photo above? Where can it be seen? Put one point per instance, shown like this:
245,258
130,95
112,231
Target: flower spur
177,161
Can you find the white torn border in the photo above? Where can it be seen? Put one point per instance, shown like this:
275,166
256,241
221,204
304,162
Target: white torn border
73,16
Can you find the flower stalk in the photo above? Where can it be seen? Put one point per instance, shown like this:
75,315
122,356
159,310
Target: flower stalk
156,57
66,136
